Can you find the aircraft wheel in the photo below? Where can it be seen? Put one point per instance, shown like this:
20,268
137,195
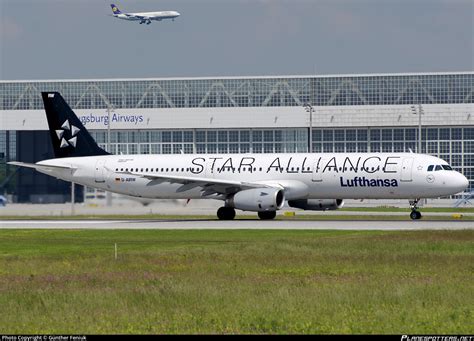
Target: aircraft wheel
267,215
415,215
226,213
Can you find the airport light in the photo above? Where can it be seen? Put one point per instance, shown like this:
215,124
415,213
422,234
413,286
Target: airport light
309,109
418,112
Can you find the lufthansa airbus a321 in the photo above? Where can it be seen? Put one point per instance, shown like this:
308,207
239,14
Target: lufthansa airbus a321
144,17
250,182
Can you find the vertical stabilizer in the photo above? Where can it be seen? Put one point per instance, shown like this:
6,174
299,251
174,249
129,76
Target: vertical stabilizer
68,136
115,9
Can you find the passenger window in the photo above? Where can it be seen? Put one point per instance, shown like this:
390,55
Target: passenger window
438,168
430,168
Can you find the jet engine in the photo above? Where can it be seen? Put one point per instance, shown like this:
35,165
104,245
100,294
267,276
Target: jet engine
258,199
317,204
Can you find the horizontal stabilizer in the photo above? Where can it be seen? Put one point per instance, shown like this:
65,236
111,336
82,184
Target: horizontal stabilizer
37,166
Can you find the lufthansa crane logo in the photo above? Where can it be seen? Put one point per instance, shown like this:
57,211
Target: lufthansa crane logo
68,139
114,9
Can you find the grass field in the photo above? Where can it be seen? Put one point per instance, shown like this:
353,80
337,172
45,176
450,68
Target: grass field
238,281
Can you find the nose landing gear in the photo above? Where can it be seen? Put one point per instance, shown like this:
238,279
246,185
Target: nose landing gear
415,214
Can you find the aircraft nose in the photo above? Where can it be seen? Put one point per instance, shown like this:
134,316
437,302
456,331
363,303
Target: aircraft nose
461,182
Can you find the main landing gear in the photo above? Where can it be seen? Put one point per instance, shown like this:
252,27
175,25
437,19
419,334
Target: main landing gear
228,213
267,215
415,214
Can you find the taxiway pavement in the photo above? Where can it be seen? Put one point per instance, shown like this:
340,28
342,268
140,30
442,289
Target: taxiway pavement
193,224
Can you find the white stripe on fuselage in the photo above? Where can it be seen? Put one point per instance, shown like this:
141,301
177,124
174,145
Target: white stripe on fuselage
340,176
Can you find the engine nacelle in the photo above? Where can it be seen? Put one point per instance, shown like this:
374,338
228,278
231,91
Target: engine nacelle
258,199
317,204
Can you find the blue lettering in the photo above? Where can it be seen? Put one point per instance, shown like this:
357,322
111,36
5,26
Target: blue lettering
364,182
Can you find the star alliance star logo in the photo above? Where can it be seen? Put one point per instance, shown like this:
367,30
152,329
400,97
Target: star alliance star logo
65,142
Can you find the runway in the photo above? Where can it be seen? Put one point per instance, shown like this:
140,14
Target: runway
169,224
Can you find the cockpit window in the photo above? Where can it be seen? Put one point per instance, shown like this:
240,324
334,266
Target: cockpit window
439,167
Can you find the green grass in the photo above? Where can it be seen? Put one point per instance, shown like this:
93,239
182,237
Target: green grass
236,281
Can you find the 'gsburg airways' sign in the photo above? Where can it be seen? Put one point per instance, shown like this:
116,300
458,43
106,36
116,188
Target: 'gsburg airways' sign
103,120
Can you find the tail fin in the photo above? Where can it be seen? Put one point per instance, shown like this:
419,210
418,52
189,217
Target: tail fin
69,137
115,9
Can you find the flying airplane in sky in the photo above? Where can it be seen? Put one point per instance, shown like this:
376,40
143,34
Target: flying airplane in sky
144,17
249,182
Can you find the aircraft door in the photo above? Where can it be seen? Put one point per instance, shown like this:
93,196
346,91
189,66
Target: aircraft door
407,170
211,168
318,169
100,171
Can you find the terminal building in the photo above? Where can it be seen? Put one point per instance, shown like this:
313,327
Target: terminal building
343,114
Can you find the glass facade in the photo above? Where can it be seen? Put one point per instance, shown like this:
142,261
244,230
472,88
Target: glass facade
389,89
204,141
7,145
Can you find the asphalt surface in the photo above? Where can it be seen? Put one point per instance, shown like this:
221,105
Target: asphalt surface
386,225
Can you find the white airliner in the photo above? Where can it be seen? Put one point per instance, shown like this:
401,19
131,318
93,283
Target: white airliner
249,182
144,17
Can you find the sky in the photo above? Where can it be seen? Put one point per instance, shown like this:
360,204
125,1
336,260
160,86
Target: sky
78,39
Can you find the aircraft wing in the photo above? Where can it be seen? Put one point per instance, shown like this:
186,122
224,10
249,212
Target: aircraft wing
209,186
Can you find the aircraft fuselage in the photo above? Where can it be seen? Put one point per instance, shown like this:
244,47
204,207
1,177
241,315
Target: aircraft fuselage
302,176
